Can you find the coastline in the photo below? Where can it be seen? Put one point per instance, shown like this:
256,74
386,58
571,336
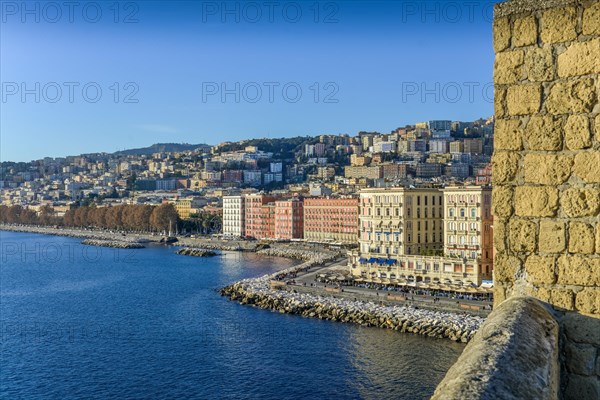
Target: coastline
259,293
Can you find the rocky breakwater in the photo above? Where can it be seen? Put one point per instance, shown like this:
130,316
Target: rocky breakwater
113,243
300,254
258,292
187,251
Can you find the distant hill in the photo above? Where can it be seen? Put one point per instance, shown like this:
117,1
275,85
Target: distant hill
160,148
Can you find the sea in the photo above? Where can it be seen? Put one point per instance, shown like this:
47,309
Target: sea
85,322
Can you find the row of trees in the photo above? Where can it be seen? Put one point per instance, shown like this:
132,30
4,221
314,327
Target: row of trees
122,217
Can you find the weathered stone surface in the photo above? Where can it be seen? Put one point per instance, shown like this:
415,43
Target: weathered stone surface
540,269
508,67
597,127
559,25
578,270
522,235
504,166
536,201
580,202
524,99
582,329
562,298
587,166
581,358
552,236
517,346
499,101
591,19
580,59
539,64
588,300
501,28
524,31
544,133
581,238
577,132
567,97
582,387
598,239
502,201
508,135
506,268
547,169
500,234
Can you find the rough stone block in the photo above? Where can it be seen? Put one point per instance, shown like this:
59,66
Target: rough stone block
501,29
580,202
508,67
502,197
544,133
562,298
536,201
597,127
499,99
580,358
567,97
581,238
582,387
522,235
500,235
524,31
582,329
539,64
577,131
588,300
578,270
524,99
587,166
591,19
547,169
598,239
559,25
580,58
508,135
540,269
552,236
504,166
506,268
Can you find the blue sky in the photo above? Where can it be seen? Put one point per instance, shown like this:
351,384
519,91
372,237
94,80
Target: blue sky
287,69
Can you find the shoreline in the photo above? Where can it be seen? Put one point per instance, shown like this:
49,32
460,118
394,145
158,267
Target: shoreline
259,293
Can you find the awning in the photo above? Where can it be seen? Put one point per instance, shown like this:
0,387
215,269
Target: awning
390,261
381,260
362,260
372,260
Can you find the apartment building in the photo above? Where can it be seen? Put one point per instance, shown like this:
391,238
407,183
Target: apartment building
259,210
234,216
468,225
331,219
289,219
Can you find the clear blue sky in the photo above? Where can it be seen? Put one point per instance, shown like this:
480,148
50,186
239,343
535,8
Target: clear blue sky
377,66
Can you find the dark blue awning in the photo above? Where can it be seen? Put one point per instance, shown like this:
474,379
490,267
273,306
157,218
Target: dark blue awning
362,260
372,260
390,261
381,261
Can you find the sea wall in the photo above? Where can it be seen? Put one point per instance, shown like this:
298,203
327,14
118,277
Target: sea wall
259,292
113,243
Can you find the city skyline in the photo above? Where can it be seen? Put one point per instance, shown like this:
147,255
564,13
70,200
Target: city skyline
395,81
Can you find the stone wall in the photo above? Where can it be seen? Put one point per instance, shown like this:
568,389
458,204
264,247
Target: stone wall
546,171
514,355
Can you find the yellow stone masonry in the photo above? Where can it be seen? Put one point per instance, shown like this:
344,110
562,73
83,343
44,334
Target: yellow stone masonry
546,163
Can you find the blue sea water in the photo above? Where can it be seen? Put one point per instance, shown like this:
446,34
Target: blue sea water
83,322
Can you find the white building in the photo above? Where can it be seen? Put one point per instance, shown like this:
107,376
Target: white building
233,216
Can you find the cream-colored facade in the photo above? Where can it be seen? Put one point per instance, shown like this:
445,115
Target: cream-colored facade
402,236
233,216
400,221
468,225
